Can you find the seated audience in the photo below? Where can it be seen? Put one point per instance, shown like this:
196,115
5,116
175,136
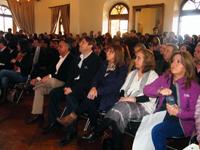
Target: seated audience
43,66
105,87
197,60
64,72
180,84
163,64
21,64
186,47
75,93
133,103
4,55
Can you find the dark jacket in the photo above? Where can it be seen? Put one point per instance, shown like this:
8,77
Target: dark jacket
86,74
46,63
5,59
108,86
68,70
25,64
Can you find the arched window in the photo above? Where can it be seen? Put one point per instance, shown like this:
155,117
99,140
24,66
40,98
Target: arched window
189,17
6,20
118,18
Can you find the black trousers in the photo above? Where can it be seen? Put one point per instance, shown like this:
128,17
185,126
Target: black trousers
117,136
56,96
90,107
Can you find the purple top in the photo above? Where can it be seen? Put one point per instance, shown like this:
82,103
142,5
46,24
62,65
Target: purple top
186,98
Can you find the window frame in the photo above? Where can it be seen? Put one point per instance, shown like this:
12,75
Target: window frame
119,16
6,16
186,13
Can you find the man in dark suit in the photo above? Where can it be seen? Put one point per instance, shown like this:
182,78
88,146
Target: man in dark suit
74,94
43,65
64,72
4,55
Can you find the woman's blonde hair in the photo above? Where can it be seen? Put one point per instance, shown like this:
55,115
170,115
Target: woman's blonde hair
149,60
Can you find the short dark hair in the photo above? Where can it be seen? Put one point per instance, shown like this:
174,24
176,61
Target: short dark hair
24,45
90,40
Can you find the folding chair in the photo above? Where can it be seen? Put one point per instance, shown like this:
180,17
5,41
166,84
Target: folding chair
23,86
189,139
100,118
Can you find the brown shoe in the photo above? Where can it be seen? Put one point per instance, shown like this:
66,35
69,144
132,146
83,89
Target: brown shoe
65,121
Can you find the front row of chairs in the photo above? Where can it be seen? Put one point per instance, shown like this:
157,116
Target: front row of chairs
174,143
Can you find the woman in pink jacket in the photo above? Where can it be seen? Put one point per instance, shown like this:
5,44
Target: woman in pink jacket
180,84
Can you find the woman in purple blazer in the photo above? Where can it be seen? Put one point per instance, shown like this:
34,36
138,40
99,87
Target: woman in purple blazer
180,84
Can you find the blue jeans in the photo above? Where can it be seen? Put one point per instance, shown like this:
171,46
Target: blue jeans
165,130
10,76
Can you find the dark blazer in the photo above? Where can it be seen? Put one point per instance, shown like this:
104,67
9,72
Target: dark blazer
108,87
68,70
5,59
87,72
53,55
25,64
46,63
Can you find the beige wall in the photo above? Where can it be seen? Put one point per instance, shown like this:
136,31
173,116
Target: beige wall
3,2
87,15
146,20
97,14
43,14
168,14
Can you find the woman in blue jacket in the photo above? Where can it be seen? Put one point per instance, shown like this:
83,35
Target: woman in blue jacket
105,87
132,103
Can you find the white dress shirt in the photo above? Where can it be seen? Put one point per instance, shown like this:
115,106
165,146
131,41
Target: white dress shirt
81,62
61,60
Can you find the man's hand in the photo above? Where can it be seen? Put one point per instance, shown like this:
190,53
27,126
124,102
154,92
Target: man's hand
92,93
13,61
67,90
45,79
